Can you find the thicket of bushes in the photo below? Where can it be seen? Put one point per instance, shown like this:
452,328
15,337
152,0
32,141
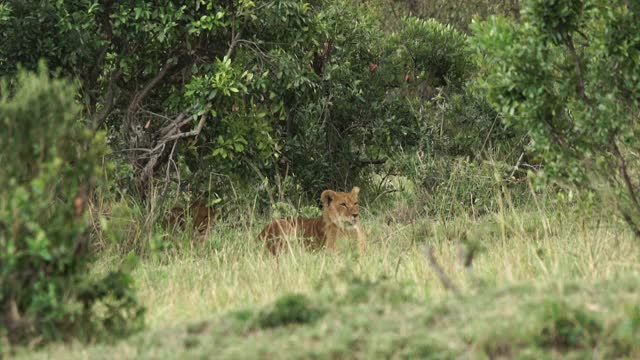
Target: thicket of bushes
567,75
318,103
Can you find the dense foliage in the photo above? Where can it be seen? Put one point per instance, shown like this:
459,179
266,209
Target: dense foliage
569,75
50,165
203,92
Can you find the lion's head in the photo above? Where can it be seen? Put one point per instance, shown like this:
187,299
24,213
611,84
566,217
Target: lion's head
341,208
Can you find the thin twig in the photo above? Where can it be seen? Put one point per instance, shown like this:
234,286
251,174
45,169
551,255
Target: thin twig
155,114
194,132
169,161
625,174
517,165
176,124
486,139
580,86
157,151
255,46
234,41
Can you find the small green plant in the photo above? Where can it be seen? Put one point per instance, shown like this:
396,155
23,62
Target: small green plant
290,309
283,210
565,327
626,334
51,163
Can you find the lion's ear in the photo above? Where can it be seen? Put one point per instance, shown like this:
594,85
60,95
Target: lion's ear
355,191
326,197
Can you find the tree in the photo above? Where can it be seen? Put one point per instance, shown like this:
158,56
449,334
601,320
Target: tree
569,75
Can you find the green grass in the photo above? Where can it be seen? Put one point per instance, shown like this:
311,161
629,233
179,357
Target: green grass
545,283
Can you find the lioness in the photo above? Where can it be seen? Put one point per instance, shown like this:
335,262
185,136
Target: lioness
339,218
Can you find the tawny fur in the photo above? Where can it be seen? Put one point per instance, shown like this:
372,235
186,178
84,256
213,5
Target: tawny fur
203,217
340,219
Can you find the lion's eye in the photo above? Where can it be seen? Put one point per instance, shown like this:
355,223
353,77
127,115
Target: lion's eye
355,204
343,204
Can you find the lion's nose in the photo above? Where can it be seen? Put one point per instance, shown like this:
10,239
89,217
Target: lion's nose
355,216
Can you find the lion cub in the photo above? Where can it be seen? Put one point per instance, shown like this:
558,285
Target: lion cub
203,217
339,219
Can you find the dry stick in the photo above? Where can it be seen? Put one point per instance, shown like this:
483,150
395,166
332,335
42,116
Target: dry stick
169,161
195,132
155,114
442,276
517,166
256,48
234,42
177,123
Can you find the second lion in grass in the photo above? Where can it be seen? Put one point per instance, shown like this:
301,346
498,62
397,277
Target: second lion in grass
340,219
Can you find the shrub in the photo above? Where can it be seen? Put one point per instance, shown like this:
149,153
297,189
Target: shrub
565,327
50,164
435,52
290,309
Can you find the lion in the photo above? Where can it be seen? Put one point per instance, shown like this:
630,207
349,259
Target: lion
203,217
340,218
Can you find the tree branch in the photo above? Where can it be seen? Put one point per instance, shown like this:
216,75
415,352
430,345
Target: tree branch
625,174
100,117
171,133
580,87
194,132
379,161
137,99
234,42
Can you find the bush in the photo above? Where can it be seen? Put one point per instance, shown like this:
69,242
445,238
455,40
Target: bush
565,327
626,333
290,309
50,165
459,13
450,186
436,52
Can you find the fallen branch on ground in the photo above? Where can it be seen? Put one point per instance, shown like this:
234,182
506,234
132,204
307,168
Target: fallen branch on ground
442,276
